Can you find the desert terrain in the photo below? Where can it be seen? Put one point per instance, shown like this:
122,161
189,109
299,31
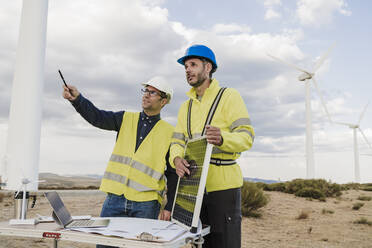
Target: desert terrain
327,224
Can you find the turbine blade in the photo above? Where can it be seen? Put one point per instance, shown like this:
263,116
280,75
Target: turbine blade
362,114
343,123
322,100
323,58
365,138
287,63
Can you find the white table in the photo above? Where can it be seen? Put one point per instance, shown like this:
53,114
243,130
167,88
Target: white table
53,231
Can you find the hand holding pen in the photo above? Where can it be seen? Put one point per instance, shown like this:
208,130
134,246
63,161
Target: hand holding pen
69,92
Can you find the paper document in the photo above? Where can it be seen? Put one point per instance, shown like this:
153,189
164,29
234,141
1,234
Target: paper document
132,228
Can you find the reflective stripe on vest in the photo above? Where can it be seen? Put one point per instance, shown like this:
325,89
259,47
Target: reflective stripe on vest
179,136
177,143
217,150
222,162
128,182
137,165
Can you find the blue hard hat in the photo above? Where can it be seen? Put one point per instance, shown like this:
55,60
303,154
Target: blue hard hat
199,51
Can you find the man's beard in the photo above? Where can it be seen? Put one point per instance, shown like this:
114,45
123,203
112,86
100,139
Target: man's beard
199,80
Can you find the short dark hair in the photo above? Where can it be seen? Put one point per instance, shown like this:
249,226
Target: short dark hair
204,60
163,94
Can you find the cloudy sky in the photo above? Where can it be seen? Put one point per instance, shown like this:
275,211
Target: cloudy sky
107,48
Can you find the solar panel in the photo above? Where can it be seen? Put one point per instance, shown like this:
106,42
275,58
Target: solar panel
190,188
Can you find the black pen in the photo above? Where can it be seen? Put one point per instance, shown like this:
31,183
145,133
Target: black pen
69,90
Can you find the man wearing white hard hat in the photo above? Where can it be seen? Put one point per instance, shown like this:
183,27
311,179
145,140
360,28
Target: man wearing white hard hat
134,178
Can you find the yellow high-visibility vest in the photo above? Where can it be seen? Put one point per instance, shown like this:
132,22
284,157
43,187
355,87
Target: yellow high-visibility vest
232,118
139,175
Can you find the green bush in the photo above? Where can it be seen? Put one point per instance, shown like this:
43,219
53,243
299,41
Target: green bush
261,185
366,187
364,198
327,188
333,189
253,198
281,187
314,188
363,220
310,192
348,186
358,205
327,211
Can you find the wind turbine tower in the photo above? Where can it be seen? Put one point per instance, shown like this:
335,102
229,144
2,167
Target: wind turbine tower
305,77
21,161
356,127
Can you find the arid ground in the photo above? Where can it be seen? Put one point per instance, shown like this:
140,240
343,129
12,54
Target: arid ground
324,224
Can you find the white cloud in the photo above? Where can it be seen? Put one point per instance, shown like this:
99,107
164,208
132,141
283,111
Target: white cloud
270,3
230,28
320,12
271,14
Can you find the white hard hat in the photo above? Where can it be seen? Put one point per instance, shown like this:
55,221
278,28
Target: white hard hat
161,84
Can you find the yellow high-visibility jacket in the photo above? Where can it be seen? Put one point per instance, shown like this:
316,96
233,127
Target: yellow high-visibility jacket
139,175
232,118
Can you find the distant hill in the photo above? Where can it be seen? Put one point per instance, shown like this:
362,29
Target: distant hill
92,181
258,180
55,181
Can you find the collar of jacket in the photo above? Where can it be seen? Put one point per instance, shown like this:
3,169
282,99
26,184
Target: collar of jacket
209,92
151,118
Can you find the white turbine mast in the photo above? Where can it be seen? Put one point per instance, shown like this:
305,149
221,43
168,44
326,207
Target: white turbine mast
23,142
306,76
356,127
20,163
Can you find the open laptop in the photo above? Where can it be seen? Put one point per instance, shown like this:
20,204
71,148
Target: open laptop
63,217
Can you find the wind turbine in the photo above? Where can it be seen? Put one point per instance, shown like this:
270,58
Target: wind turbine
23,141
305,77
356,127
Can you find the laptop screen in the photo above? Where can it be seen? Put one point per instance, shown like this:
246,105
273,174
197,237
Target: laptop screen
58,207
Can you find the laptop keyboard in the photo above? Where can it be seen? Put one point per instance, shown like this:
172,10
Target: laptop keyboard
79,223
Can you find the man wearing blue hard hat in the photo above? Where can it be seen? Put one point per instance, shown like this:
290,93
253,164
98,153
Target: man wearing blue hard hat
221,115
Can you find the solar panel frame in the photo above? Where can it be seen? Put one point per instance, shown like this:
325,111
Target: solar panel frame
177,214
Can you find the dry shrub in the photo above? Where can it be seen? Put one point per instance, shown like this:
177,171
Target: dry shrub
303,215
328,189
358,205
366,187
364,198
253,198
2,196
327,211
363,220
281,187
310,193
354,186
310,188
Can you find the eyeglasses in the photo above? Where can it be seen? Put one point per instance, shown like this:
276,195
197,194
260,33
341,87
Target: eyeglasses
152,93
